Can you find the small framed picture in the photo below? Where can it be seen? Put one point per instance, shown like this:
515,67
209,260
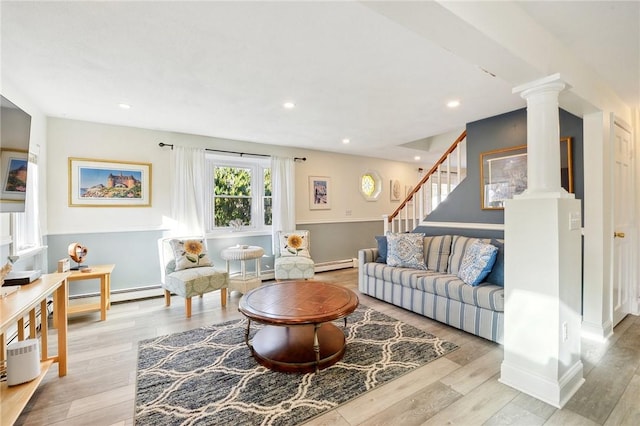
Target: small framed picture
395,190
319,193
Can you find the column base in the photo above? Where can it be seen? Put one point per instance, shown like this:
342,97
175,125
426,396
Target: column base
554,392
597,332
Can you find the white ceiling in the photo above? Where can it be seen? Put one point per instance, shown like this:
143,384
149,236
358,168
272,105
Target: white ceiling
224,69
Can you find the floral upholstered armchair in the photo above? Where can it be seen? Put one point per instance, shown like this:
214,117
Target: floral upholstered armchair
293,259
186,270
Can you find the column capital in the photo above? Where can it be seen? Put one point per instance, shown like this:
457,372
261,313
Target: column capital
551,83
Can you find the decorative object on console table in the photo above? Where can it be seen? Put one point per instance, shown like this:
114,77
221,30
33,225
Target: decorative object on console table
319,193
63,265
21,277
6,291
4,271
77,253
101,183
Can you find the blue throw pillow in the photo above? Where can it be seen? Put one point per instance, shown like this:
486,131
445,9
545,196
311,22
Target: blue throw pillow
382,248
496,276
477,262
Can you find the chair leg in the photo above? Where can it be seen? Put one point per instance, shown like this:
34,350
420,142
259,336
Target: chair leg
187,306
223,297
167,298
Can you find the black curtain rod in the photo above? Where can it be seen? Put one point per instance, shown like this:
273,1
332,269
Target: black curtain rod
241,154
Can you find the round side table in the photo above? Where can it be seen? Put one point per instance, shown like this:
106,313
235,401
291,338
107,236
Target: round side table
243,281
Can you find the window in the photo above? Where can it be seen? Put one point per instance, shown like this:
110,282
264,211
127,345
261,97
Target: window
370,185
240,190
26,226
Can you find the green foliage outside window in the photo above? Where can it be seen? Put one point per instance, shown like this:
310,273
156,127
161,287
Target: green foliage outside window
267,197
233,195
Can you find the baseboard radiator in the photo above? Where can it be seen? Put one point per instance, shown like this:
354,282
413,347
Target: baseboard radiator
336,264
152,291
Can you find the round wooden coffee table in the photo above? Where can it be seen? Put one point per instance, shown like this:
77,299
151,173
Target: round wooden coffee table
298,336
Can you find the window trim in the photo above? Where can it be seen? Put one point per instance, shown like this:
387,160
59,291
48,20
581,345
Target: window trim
257,166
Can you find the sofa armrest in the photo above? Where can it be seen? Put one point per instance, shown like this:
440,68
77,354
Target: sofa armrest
367,255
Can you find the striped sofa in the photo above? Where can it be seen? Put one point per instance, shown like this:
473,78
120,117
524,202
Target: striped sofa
437,292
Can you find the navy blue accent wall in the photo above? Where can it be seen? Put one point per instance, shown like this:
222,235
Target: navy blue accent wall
502,131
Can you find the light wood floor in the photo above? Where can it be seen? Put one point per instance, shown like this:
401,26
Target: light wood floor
461,388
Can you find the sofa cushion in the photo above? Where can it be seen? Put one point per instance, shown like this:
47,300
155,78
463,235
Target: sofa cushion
459,246
406,250
382,248
436,252
196,281
407,277
496,276
294,243
488,296
477,262
190,253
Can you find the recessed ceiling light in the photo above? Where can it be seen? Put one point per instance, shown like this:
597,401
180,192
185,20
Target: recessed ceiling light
124,106
289,105
453,104
417,157
345,141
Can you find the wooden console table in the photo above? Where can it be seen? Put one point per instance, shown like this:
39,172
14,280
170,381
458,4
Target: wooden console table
13,309
103,272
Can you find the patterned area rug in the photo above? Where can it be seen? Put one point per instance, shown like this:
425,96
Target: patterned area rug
207,376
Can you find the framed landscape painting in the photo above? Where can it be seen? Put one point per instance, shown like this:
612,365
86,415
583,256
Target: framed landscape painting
319,193
14,174
104,183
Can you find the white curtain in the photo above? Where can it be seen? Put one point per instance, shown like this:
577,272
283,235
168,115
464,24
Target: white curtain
283,186
188,190
27,229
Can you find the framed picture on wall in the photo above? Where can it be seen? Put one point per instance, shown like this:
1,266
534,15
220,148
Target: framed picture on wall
395,190
105,183
503,173
319,193
14,166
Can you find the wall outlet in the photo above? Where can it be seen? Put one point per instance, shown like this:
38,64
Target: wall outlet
565,332
347,212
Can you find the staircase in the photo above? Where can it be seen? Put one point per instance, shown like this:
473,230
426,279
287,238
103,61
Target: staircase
432,189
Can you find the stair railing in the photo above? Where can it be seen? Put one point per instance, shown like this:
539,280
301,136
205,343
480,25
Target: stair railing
422,200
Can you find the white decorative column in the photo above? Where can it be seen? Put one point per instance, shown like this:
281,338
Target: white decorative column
543,263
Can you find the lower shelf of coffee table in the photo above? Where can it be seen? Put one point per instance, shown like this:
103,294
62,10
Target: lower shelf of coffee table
291,349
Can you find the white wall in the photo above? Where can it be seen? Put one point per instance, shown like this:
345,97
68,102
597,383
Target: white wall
345,172
71,138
